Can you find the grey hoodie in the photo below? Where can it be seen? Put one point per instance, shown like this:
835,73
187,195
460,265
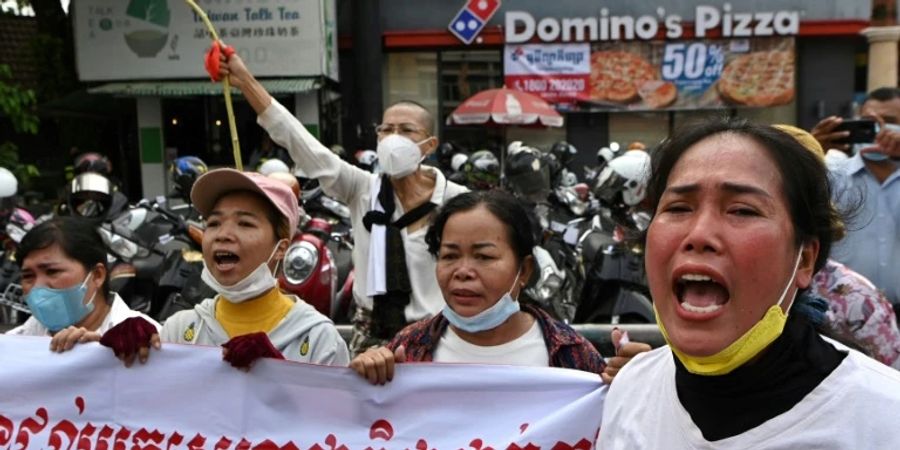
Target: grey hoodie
303,335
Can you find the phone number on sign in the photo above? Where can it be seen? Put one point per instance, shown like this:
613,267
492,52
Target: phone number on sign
553,85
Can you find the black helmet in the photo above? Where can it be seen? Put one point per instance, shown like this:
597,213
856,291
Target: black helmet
92,162
563,151
528,174
185,171
90,195
445,153
482,170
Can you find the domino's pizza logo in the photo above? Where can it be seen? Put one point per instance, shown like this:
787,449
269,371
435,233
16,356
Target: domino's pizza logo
472,18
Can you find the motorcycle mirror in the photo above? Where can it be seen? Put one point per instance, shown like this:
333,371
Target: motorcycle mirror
195,233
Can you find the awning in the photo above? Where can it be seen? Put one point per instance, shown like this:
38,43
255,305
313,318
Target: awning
195,87
84,105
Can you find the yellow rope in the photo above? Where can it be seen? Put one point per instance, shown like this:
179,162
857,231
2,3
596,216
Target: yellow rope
226,88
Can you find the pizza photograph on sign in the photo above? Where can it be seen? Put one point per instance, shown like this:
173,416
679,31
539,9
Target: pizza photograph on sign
683,75
627,77
759,78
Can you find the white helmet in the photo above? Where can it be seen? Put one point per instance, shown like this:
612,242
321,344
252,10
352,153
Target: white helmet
514,147
457,161
367,157
273,165
568,179
8,183
628,174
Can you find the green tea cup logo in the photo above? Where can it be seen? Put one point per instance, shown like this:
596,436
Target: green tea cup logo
152,18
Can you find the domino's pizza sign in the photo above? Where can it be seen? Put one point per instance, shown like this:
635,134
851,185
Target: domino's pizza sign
472,18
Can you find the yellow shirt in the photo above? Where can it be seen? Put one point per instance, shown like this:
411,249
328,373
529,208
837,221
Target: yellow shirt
260,314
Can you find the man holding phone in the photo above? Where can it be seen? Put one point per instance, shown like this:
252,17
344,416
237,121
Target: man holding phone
872,244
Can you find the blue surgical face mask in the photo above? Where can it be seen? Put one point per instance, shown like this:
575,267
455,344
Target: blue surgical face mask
488,319
875,156
60,308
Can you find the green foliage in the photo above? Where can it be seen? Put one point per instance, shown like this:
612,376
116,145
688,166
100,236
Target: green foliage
55,78
25,173
18,104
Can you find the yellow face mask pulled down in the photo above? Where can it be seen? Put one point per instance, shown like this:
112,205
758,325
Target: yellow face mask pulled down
750,344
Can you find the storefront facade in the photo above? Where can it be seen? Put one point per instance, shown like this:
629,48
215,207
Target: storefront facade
152,50
684,46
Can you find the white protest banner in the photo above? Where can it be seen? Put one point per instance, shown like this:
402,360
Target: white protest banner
186,397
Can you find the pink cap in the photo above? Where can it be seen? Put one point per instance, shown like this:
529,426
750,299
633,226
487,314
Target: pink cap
214,184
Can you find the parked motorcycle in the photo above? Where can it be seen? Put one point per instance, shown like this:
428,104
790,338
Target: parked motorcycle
158,259
557,280
318,265
14,224
13,309
615,289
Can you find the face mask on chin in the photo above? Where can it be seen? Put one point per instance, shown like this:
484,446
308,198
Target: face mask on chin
488,319
257,283
874,155
747,346
399,156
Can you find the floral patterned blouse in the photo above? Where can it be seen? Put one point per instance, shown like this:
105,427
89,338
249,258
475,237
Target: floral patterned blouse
858,312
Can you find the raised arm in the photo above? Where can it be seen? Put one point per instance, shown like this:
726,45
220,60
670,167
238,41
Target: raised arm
338,177
233,67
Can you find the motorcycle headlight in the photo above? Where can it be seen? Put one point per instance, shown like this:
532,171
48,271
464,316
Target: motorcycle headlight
299,262
121,247
547,287
553,283
336,207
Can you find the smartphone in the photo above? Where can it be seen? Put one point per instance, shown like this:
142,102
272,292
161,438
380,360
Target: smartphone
861,131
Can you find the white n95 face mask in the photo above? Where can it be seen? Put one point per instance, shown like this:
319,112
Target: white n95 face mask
399,156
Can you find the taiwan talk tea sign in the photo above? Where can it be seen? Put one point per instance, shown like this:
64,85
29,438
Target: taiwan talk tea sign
158,39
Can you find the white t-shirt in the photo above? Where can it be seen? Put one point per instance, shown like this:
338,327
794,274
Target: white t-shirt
855,407
526,350
352,185
118,312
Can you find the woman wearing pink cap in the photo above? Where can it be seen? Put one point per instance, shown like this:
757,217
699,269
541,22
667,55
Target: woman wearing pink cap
250,220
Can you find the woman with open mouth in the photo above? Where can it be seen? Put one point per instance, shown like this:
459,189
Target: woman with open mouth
742,222
250,219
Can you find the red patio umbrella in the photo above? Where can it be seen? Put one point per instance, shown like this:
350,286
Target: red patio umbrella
502,107
505,107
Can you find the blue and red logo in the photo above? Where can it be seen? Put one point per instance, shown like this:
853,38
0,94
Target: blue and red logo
472,18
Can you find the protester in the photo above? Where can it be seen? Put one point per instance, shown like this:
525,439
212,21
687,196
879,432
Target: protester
482,242
872,245
250,220
743,220
66,284
857,314
394,284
